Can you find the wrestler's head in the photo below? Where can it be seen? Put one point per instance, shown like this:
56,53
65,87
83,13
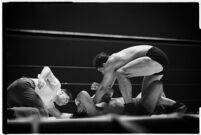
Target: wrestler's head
99,61
63,97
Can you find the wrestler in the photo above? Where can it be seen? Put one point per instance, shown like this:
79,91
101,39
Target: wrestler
26,96
143,60
107,105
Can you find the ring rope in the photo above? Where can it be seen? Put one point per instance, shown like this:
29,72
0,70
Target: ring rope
100,36
87,84
83,67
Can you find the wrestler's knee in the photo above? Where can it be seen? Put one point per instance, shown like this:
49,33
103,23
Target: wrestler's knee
83,94
157,83
155,87
121,73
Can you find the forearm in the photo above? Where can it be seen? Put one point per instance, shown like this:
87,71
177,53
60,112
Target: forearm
45,73
53,81
99,94
85,103
49,77
106,83
56,113
53,110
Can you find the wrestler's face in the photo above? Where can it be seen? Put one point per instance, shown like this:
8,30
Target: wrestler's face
61,98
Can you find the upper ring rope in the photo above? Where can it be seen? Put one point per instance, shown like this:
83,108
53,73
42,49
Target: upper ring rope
100,36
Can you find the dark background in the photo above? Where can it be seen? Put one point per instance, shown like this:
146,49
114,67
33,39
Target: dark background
163,20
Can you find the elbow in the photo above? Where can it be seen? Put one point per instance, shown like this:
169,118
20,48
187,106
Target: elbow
47,68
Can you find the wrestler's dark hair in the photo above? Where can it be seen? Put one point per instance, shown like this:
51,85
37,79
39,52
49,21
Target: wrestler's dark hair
68,93
99,59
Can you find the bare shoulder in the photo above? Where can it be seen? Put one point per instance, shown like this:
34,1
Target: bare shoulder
113,58
136,48
112,61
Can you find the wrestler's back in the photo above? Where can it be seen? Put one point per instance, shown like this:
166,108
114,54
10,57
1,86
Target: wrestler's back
126,55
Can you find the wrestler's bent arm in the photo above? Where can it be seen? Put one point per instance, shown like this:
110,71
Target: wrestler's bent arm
49,77
86,103
56,113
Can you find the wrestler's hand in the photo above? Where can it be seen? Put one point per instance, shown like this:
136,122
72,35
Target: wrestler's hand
41,83
94,86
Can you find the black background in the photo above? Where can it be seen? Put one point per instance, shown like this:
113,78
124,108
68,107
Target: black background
163,20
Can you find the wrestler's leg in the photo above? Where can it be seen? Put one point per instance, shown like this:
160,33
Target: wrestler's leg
152,89
162,100
143,66
87,102
139,67
125,88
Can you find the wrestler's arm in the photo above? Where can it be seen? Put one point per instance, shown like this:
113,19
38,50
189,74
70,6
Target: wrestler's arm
104,85
109,77
44,73
56,113
95,85
49,77
85,103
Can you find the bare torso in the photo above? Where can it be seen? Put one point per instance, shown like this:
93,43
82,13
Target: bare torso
116,106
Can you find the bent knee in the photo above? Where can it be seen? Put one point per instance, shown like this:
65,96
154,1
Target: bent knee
83,94
121,72
157,83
